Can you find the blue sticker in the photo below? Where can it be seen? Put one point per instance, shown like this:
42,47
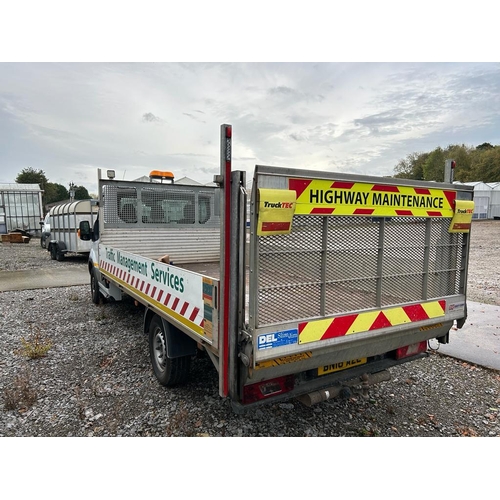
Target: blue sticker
277,339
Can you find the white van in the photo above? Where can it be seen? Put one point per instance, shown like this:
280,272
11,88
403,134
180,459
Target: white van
45,230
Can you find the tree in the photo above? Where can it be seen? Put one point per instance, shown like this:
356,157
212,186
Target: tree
31,176
81,193
484,145
481,163
433,166
55,192
411,167
487,165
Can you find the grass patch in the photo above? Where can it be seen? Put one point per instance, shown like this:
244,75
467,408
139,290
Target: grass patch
35,346
20,395
102,316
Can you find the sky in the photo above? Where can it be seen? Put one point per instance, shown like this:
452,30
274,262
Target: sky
70,111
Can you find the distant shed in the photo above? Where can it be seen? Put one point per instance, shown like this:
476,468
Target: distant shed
20,207
482,199
495,200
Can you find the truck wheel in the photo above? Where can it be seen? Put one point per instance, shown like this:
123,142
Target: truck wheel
59,255
53,252
168,371
94,288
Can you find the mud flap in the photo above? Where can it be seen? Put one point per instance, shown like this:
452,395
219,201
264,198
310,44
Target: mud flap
178,343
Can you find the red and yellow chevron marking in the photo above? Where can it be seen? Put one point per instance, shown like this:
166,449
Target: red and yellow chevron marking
324,329
326,197
181,310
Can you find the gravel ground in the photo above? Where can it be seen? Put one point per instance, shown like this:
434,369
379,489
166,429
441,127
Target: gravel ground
96,379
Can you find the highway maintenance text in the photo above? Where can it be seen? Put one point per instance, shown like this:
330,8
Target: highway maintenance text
343,197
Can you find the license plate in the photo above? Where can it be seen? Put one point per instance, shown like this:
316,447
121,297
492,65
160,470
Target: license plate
341,365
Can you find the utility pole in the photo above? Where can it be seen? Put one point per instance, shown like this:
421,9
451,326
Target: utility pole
449,170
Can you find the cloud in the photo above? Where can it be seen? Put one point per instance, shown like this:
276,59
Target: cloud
150,117
281,90
68,118
190,115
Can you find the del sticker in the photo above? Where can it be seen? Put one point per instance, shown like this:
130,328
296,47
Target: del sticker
277,339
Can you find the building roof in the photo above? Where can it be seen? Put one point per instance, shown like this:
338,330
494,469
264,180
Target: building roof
19,187
145,178
187,181
478,185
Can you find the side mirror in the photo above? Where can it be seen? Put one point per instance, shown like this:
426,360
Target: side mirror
84,231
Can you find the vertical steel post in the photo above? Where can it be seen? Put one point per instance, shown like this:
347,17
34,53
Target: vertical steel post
427,258
236,301
380,263
225,267
324,251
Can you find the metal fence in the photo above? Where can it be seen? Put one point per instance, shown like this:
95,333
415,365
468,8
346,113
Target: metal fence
153,220
20,208
331,265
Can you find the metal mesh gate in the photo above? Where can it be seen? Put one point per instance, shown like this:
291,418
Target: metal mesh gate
331,265
147,205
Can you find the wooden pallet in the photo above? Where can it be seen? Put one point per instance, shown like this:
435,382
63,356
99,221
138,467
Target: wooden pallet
15,238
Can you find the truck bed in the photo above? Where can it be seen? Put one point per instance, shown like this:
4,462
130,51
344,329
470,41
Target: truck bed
210,269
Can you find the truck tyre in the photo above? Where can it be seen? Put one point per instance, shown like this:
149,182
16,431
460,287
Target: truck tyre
94,288
168,371
59,255
53,252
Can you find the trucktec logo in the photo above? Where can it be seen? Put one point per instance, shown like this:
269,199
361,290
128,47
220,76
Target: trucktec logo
278,204
276,210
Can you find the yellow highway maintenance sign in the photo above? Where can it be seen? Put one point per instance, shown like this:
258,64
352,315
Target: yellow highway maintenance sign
327,197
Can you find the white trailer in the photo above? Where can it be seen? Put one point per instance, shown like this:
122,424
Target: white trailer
63,222
337,279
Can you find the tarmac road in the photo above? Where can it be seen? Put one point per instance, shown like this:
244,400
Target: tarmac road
478,341
32,279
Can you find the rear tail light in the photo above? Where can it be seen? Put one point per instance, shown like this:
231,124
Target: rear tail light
267,389
411,350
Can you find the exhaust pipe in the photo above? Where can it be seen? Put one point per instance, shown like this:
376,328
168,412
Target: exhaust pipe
365,380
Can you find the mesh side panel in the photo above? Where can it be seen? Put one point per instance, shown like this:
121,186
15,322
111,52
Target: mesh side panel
403,261
332,265
161,206
350,296
445,262
120,204
145,206
351,264
296,301
290,272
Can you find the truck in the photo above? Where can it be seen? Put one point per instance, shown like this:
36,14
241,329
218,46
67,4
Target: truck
61,226
337,279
